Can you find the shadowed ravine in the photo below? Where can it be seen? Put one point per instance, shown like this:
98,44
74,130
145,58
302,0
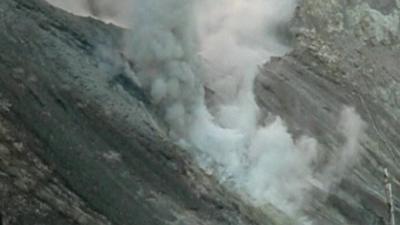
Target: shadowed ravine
81,142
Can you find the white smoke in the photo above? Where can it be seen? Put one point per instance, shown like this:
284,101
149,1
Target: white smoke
116,12
78,7
181,46
351,127
163,46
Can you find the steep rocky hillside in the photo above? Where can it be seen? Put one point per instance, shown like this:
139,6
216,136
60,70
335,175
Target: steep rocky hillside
346,54
80,142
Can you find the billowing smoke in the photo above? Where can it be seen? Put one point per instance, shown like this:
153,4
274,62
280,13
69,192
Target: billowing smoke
180,47
198,60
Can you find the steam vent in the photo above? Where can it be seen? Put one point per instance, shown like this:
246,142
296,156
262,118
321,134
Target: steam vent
199,112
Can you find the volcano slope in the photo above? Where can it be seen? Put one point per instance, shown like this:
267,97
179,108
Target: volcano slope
346,53
80,142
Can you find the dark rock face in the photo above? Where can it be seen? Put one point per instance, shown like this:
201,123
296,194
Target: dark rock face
81,144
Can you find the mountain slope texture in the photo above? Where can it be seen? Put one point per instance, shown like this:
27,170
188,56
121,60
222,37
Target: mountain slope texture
81,142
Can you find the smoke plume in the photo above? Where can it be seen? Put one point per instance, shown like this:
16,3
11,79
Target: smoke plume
184,50
116,12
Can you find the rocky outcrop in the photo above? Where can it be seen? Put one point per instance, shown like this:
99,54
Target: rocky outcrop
346,54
